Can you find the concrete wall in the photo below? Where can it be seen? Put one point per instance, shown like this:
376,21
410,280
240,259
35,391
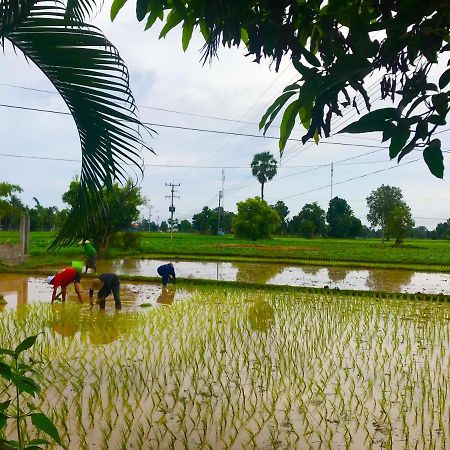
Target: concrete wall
11,254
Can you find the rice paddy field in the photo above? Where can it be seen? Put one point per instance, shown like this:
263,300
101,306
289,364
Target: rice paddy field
244,369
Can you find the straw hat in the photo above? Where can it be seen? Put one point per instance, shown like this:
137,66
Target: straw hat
50,279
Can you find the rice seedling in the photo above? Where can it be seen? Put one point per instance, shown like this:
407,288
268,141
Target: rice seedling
246,369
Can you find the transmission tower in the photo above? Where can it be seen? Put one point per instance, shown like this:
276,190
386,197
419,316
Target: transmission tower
171,207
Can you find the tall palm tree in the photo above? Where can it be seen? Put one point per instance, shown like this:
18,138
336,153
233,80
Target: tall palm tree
264,168
88,72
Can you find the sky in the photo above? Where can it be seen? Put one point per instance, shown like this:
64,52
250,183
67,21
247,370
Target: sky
234,88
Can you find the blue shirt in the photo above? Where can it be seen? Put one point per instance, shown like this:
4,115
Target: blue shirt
166,270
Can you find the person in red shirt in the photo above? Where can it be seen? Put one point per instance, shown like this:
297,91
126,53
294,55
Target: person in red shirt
63,279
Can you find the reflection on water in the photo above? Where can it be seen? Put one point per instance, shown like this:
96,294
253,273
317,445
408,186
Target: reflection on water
389,280
384,280
96,327
261,316
167,295
337,274
256,273
20,290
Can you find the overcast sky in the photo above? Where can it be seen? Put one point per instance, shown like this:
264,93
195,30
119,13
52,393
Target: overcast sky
233,88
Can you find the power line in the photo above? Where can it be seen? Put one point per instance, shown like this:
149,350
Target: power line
179,127
351,179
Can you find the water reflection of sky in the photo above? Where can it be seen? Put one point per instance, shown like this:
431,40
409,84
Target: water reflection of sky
390,280
20,290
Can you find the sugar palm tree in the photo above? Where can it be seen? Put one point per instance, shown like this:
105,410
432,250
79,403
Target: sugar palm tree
264,168
87,71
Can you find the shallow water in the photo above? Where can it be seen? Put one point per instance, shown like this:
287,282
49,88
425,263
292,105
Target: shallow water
245,370
21,290
389,280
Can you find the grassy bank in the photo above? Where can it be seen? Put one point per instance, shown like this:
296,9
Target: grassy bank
414,254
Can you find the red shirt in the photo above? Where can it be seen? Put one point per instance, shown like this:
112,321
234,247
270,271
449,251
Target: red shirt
65,277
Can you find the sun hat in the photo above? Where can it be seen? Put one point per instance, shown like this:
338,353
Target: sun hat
84,241
50,279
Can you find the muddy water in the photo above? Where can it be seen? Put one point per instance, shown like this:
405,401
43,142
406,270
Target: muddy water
20,290
389,280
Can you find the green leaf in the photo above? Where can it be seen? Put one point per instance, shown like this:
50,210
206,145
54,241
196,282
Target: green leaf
154,14
310,57
141,9
6,351
434,158
43,423
5,370
188,28
116,6
25,344
173,19
444,79
275,106
437,120
39,442
28,385
3,420
398,140
4,405
287,123
244,36
440,103
377,120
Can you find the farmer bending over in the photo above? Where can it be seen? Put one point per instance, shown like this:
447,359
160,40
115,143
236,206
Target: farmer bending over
91,254
105,284
166,271
63,279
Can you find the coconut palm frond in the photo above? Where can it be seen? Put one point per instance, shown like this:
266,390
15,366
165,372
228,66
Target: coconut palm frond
91,77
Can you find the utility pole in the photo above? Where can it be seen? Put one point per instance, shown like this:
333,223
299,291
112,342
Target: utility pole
331,184
218,215
171,207
221,195
149,217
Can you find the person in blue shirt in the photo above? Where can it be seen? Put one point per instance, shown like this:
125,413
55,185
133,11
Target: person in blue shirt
166,271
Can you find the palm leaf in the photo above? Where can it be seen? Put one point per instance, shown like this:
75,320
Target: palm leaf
88,72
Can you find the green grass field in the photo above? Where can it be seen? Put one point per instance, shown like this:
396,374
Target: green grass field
356,252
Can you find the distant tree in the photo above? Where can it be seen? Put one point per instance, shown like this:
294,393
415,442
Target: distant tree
264,168
207,220
442,230
311,212
283,211
307,229
399,223
164,226
341,221
184,226
14,210
420,232
203,221
255,219
7,191
381,202
122,209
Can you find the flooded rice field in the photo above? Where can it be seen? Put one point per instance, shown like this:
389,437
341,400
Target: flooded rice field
21,290
389,280
236,369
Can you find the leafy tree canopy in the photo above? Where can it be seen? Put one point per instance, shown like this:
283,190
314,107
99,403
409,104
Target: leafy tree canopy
381,202
283,211
335,45
341,220
255,219
264,168
399,223
309,222
122,209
